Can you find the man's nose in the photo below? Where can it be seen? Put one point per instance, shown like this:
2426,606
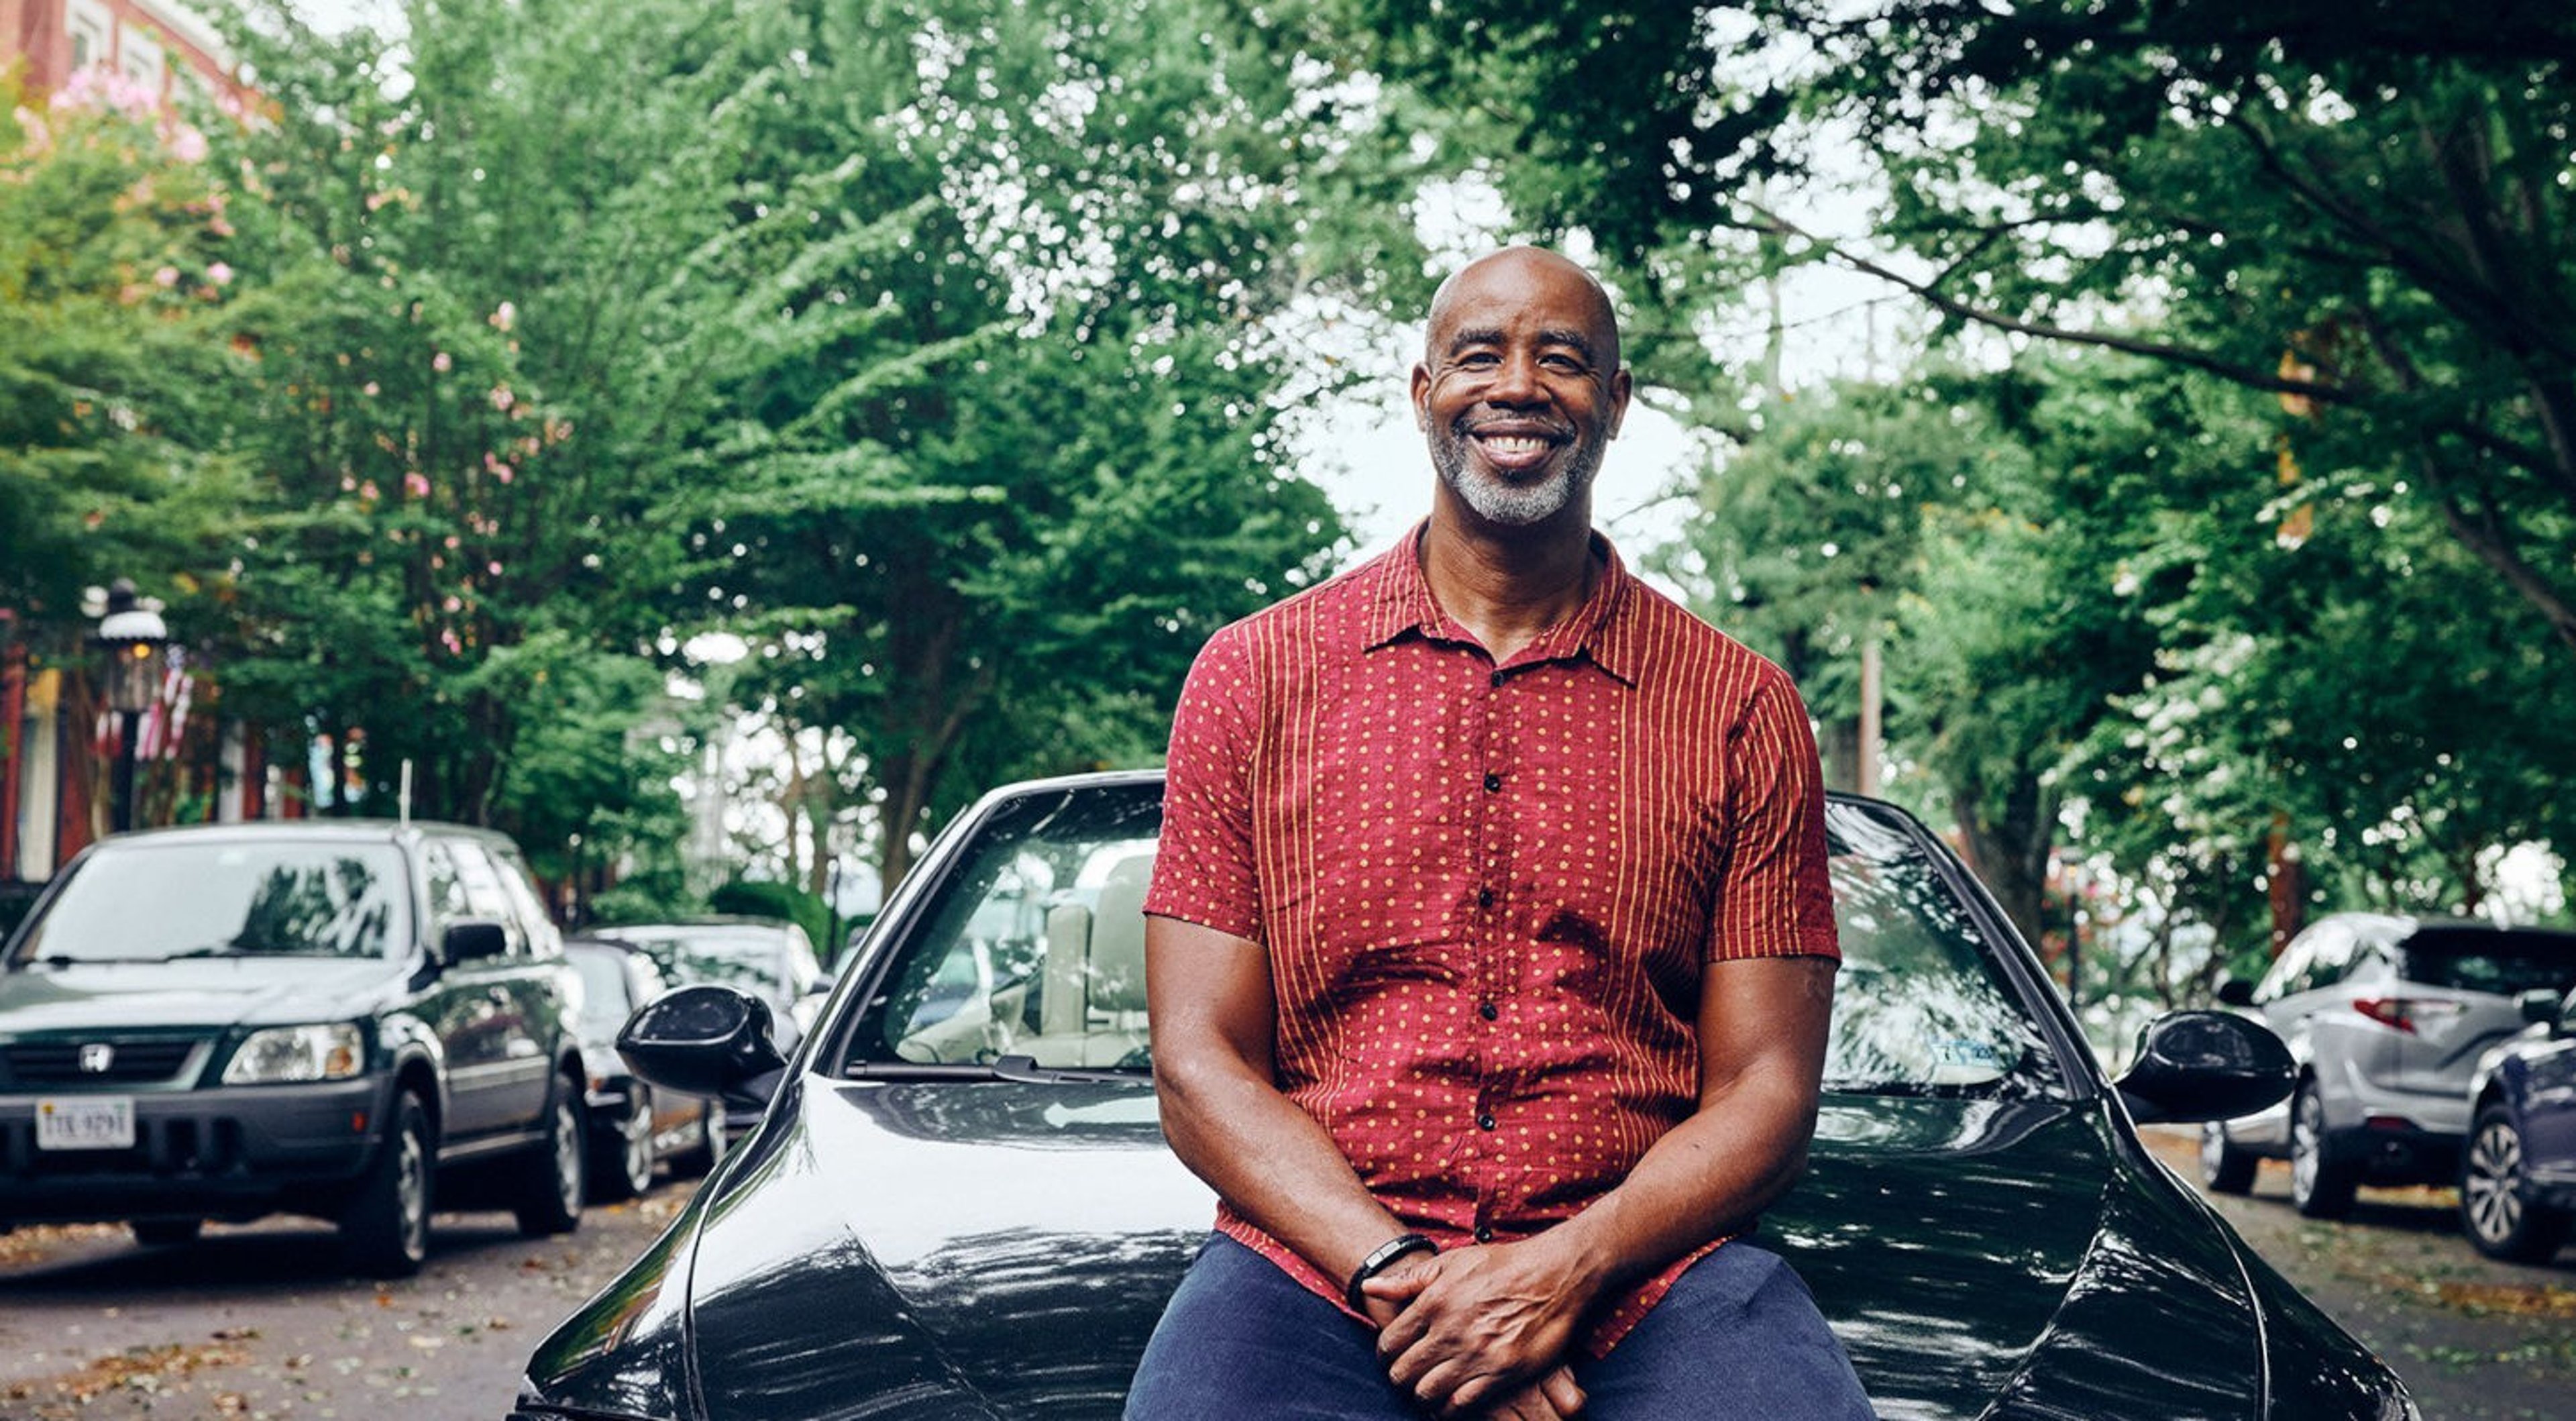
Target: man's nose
1516,382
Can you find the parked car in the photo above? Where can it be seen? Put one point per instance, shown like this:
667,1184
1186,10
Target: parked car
353,1020
768,957
2386,1017
959,1203
633,1127
2518,1174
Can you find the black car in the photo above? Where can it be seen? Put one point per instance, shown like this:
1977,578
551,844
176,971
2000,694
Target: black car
960,1205
633,1127
768,957
2518,1174
353,1020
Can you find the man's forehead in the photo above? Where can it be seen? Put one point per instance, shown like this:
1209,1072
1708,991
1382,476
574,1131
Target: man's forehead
1519,285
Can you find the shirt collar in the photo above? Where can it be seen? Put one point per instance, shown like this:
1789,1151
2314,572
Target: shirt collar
1598,631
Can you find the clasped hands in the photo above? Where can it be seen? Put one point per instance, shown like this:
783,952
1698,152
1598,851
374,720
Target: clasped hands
1479,1332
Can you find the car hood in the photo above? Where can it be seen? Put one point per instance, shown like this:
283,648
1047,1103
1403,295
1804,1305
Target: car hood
937,1250
210,993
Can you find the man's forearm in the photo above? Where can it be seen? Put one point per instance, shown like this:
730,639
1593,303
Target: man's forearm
1272,1163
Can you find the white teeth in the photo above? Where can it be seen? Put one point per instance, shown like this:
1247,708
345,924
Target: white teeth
1514,443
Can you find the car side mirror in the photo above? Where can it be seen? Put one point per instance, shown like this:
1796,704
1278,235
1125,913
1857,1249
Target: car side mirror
705,1040
2540,1004
2235,992
473,939
2205,1065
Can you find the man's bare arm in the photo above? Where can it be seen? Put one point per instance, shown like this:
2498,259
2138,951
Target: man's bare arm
1477,1322
1209,996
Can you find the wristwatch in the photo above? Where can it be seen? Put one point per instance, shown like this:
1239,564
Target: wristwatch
1379,1260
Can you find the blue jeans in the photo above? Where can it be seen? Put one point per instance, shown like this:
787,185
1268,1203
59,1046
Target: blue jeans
1738,1335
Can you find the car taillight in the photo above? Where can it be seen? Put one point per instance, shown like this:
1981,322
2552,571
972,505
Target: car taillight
2408,1014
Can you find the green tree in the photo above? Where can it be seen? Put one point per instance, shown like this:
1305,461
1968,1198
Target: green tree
112,274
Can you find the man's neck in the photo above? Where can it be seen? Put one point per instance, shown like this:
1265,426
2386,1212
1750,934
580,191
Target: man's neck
1509,586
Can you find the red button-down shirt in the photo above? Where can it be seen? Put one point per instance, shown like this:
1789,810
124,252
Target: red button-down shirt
1486,892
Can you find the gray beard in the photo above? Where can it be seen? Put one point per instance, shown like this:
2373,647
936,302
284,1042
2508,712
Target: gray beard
1512,505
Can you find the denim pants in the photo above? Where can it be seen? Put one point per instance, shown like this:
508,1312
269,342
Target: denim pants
1738,1335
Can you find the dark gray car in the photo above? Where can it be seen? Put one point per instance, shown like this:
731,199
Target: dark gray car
352,1020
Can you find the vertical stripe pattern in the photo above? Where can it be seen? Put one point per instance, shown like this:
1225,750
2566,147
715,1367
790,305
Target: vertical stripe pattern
1486,892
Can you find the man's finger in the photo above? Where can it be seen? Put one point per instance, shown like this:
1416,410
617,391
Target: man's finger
1562,1391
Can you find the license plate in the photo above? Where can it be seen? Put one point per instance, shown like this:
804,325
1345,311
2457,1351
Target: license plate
90,1122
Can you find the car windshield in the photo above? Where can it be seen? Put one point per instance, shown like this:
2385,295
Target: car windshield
2483,960
748,956
1033,948
154,900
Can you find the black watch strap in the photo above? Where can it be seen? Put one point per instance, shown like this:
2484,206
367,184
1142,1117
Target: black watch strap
1379,1260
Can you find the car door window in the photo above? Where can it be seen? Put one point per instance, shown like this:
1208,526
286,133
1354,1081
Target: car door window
488,898
543,939
2282,980
447,900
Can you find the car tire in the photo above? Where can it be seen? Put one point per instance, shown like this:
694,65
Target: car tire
622,1168
550,1193
2499,1220
710,1150
2224,1169
2320,1184
166,1233
384,1229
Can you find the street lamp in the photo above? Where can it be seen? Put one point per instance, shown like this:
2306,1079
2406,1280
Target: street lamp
136,642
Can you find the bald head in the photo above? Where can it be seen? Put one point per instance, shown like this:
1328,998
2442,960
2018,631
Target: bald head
1526,268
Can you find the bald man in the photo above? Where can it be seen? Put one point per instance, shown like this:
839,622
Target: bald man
1490,954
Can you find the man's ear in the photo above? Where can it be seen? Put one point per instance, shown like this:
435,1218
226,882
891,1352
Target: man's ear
1421,386
1620,389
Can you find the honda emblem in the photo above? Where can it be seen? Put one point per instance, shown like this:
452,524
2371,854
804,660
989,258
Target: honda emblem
96,1057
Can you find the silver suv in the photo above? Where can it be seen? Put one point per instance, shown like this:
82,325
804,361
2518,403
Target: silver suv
2386,1017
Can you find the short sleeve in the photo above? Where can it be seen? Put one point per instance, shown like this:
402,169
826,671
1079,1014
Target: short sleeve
1204,868
1773,896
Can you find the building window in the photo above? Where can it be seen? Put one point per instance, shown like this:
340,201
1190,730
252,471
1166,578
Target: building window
91,33
138,58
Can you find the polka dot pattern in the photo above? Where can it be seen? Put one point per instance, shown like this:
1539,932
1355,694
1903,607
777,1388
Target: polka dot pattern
1487,891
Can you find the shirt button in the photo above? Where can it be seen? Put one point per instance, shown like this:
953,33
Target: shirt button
1484,1122
1495,680
1487,1010
1484,897
1484,1233
1493,784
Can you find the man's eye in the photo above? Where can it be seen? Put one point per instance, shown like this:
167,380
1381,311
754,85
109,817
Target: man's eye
1566,363
1479,360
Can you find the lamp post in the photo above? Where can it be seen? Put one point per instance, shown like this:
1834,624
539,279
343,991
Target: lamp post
135,641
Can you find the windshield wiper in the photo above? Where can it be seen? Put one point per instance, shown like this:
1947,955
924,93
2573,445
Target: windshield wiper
236,950
1022,1069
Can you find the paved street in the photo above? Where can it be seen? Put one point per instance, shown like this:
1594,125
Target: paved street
2476,1340
258,1321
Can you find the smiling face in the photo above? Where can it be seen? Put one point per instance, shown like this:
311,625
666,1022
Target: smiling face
1520,386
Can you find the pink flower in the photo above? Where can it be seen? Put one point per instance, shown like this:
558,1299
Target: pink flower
416,484
493,568
502,399
440,362
502,472
188,145
504,315
220,274
348,484
166,276
371,388
454,541
452,604
447,638
368,491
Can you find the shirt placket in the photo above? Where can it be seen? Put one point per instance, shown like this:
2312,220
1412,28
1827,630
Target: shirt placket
1495,769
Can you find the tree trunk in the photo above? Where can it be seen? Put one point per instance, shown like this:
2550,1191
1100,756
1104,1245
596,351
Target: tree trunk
2009,847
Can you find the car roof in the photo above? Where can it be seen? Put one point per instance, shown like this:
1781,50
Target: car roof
1105,779
311,831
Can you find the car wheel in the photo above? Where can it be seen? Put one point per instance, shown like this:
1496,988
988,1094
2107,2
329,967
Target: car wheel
550,1194
2498,1219
166,1233
384,1230
2224,1169
2320,1185
627,1170
710,1149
